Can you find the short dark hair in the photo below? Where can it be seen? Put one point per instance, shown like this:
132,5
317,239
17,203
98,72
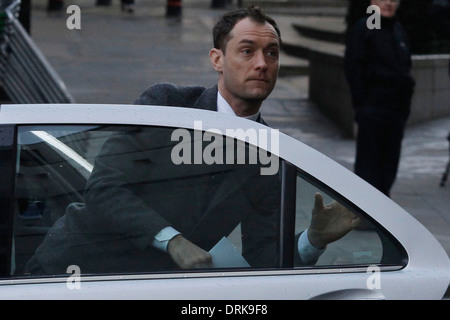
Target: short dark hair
226,23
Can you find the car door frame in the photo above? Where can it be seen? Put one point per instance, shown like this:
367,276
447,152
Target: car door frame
335,282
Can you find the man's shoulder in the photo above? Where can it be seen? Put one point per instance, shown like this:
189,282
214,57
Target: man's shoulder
167,87
171,95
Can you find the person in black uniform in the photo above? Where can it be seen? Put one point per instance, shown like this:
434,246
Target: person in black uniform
378,70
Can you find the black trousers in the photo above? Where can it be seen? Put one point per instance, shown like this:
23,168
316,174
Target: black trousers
378,147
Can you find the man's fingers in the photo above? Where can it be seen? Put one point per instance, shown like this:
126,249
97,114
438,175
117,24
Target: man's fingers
318,201
187,255
203,260
355,222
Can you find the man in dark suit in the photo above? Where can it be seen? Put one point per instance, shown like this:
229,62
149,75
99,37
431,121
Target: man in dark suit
144,213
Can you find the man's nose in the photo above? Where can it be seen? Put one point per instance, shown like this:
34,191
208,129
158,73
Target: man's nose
260,61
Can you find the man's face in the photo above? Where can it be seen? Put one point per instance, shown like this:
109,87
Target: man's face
248,69
388,8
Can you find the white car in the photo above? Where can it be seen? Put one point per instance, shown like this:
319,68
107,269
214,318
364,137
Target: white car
48,154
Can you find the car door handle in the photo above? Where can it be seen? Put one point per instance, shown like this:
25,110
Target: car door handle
351,294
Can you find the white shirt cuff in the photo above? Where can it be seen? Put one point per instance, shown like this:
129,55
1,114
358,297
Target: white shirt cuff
163,237
308,253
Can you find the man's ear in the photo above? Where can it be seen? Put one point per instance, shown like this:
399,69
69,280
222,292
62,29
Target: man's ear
216,58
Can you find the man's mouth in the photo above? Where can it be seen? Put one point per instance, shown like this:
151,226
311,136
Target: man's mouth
259,80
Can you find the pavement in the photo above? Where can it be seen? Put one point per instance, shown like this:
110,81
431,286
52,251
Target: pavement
115,56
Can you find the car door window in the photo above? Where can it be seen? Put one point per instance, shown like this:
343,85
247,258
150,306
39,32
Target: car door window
95,196
367,244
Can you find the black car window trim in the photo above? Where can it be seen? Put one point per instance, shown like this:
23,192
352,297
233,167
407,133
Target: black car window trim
8,153
287,218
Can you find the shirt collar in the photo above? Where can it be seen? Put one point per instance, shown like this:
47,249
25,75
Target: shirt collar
224,107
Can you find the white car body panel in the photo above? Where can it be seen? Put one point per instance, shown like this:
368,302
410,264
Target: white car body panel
426,275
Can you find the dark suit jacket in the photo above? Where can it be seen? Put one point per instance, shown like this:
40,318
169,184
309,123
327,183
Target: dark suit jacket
135,190
166,94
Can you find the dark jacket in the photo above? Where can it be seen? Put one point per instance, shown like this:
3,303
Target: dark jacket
378,67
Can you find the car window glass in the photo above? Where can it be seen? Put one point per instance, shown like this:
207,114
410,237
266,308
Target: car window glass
95,197
366,244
